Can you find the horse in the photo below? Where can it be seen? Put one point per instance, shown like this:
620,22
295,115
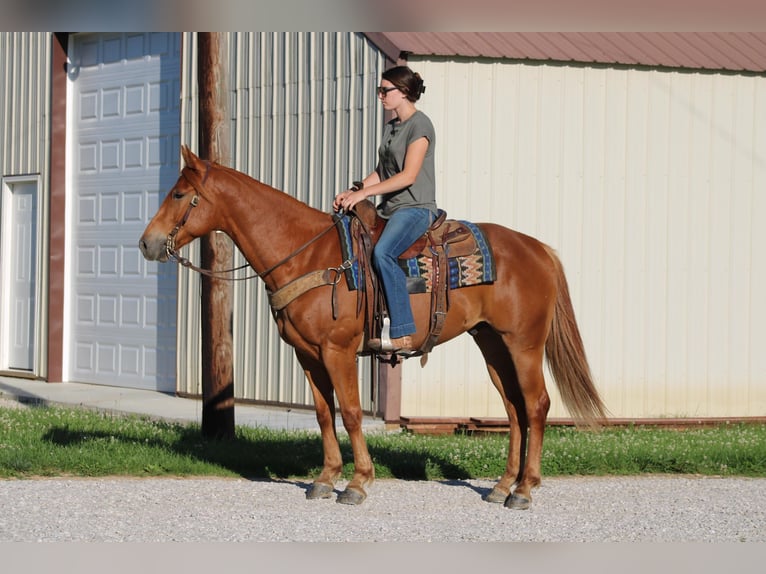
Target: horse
518,321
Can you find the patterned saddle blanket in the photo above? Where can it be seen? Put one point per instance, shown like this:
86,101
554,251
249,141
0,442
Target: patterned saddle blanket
468,253
470,262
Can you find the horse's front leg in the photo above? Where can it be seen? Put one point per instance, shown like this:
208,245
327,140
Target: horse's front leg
341,364
322,389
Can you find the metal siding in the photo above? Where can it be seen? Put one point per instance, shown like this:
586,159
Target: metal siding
25,69
188,338
645,183
306,121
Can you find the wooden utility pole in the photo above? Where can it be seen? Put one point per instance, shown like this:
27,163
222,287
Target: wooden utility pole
217,251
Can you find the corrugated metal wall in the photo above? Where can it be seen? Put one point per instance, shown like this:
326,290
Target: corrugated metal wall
24,67
25,63
649,184
306,121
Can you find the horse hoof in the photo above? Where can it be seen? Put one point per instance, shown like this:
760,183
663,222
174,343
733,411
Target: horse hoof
319,490
350,496
496,496
517,502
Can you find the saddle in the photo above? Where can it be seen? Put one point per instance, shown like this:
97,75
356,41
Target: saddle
443,235
359,232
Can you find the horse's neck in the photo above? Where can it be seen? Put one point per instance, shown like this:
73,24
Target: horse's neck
268,225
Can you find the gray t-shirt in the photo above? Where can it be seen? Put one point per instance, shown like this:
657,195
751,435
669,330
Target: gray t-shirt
391,157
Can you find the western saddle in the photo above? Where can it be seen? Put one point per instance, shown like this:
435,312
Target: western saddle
366,227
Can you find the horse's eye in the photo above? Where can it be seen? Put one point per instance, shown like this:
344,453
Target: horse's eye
178,195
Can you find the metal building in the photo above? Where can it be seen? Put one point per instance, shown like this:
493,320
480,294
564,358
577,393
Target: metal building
638,157
648,182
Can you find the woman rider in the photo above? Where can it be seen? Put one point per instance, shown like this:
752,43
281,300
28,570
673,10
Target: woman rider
404,178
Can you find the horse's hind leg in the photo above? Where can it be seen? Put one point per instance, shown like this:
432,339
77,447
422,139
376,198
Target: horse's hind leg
503,375
322,389
529,369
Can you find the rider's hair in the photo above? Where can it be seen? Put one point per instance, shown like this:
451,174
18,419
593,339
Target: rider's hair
408,82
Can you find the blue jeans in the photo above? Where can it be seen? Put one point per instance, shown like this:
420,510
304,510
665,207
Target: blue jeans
404,227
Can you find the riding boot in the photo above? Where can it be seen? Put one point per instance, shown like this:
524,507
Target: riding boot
399,345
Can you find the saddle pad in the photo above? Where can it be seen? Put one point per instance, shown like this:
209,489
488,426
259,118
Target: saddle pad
353,278
473,269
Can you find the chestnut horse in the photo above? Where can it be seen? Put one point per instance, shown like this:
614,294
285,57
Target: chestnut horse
524,316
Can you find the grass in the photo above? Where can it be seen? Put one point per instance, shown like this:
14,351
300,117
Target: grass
56,441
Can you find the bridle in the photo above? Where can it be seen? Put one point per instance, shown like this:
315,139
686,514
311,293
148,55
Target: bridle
224,274
170,242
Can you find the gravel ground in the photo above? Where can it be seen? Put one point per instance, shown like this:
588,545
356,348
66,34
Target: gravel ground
219,525
630,509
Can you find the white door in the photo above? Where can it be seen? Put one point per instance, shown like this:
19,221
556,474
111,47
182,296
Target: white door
124,128
19,275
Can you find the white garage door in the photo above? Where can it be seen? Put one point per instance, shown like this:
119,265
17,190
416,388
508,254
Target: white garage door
124,127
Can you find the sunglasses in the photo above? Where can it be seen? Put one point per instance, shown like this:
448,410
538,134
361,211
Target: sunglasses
383,91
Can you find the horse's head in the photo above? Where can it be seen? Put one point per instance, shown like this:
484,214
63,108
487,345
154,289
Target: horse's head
185,214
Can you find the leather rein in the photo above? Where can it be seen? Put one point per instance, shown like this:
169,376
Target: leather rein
224,274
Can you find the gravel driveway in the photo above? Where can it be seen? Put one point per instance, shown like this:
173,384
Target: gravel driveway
632,509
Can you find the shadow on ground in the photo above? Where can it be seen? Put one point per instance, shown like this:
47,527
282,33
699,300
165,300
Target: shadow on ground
261,454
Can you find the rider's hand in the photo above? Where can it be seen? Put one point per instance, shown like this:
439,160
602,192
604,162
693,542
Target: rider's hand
337,203
346,200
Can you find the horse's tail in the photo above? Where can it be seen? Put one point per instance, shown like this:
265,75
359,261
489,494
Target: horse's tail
566,358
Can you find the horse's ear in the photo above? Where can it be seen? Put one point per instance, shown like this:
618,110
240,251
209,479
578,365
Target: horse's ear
190,159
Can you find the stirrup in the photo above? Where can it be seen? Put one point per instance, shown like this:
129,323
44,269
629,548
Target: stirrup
384,343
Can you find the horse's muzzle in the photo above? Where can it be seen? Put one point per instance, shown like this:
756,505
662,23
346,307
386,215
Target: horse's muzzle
153,249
